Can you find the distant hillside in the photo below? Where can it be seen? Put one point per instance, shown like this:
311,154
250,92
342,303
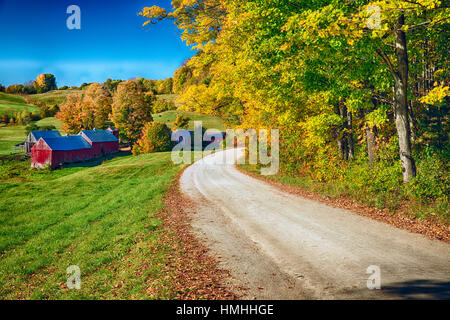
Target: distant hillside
10,103
51,98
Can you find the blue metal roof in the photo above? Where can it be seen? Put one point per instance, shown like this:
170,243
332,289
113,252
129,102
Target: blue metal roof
45,134
66,143
99,135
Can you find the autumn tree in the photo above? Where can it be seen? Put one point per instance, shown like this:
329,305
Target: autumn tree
45,82
156,137
15,88
87,110
130,111
111,85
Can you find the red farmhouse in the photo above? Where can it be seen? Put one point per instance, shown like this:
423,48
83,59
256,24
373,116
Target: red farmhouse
103,141
56,151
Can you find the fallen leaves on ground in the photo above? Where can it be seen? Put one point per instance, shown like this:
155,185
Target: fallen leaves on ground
192,272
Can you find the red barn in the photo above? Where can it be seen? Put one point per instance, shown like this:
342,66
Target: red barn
56,151
103,141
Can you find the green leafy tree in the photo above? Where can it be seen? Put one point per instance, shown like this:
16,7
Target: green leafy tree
130,111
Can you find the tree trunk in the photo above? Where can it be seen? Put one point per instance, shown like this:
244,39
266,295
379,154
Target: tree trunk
371,136
342,141
401,103
351,146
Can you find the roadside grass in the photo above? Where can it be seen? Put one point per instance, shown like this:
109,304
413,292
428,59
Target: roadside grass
52,97
101,219
209,122
10,103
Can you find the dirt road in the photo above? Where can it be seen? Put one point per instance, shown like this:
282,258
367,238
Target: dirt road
281,246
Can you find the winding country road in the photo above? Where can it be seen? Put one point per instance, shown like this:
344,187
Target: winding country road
282,246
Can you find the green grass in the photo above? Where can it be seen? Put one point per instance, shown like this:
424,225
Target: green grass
50,122
209,122
101,219
52,97
10,136
10,104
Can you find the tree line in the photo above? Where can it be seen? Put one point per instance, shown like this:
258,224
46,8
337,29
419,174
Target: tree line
126,105
43,83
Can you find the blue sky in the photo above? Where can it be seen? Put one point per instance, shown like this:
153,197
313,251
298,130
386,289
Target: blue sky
112,42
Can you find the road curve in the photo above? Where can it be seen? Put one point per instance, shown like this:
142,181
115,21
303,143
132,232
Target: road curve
282,246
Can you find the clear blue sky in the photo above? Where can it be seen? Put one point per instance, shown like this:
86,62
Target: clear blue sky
112,42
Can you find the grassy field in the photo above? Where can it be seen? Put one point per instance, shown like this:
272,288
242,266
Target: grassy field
99,218
51,97
10,104
209,122
10,136
50,122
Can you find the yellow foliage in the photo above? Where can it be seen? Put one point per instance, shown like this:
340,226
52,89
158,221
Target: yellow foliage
437,95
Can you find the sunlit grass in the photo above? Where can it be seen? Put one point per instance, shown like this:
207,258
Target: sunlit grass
99,218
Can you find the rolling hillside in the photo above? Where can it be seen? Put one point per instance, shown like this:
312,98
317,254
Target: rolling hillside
10,104
51,97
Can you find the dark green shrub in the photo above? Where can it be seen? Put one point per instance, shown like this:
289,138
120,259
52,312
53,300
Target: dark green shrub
432,181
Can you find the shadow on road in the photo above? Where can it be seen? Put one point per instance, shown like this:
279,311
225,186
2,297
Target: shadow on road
419,289
407,290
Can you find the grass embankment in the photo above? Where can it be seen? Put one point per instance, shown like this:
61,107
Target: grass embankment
101,219
209,122
10,104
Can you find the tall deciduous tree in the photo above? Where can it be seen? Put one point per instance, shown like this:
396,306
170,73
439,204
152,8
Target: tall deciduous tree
130,111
